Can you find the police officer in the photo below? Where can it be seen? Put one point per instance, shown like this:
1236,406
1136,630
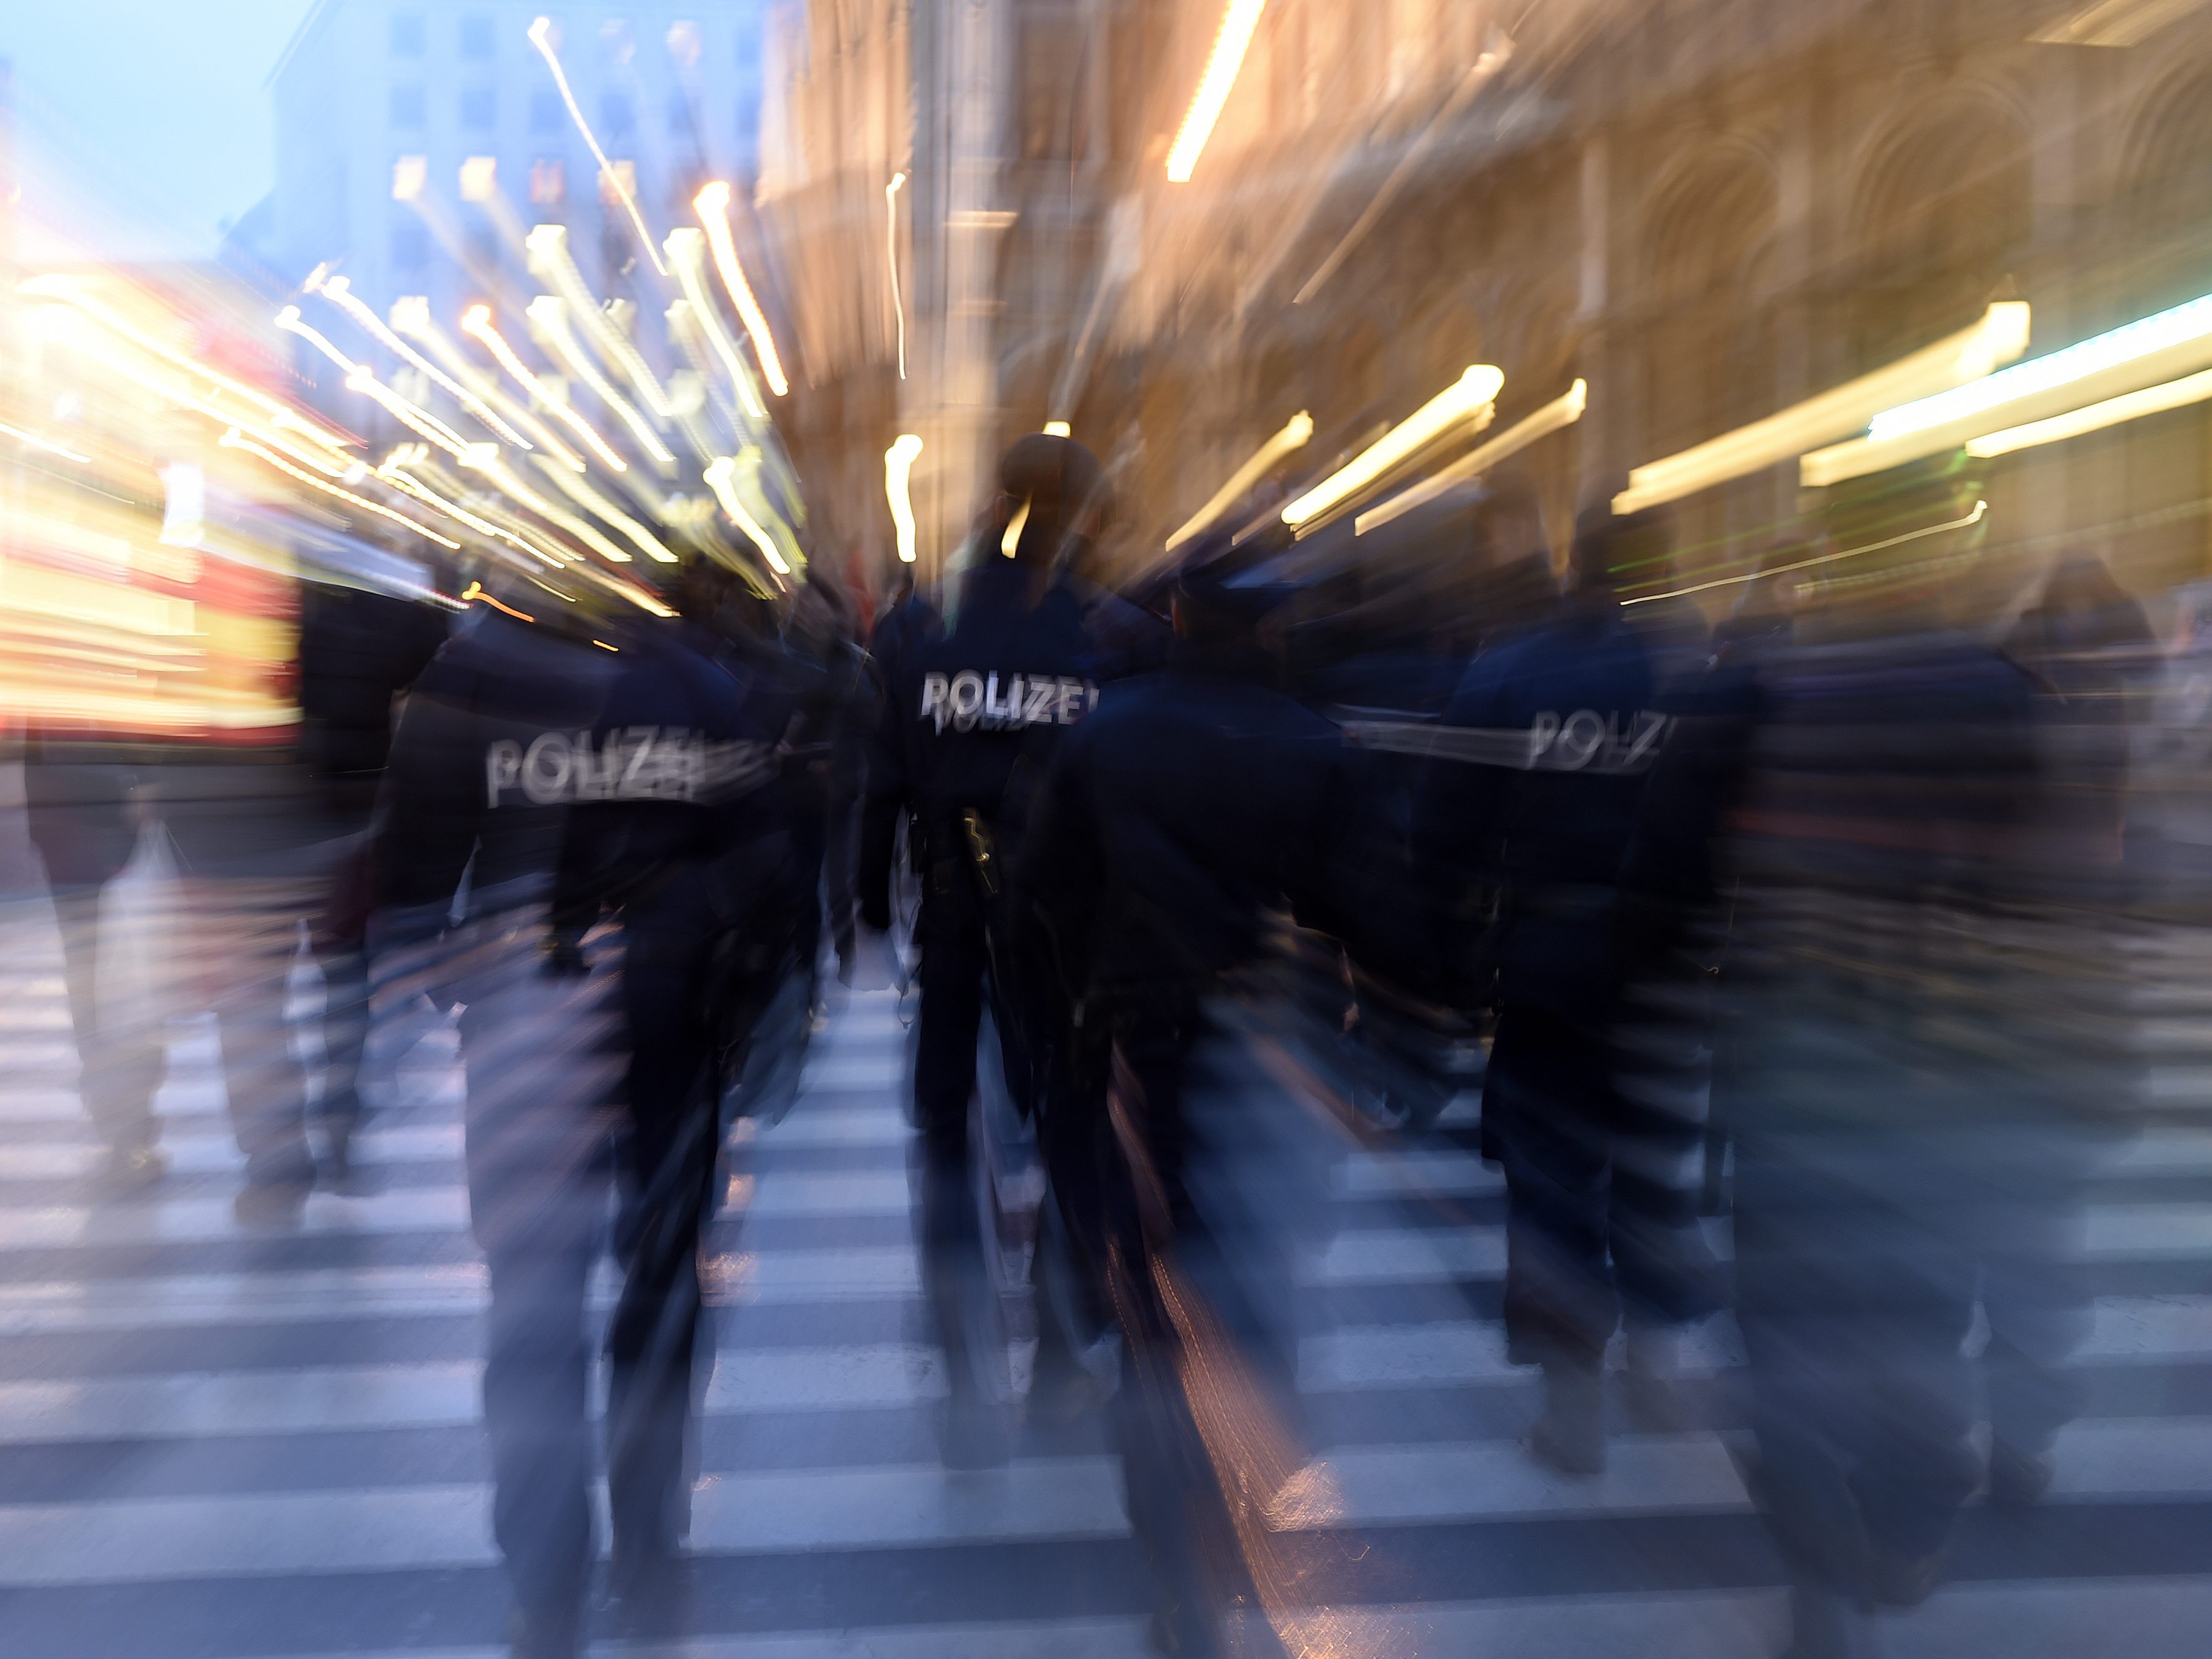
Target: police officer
568,782
471,816
1546,749
1195,803
970,715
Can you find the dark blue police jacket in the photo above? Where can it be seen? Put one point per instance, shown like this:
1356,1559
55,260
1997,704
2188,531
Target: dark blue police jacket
971,716
1536,777
1195,800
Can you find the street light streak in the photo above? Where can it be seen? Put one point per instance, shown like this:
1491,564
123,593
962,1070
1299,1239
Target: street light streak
687,249
548,249
1561,412
339,292
34,441
540,32
712,204
411,315
585,497
892,260
1295,436
1465,399
720,478
233,438
550,313
898,471
476,323
1222,68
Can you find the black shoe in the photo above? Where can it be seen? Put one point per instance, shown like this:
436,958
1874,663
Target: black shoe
1182,1631
649,1593
274,1206
132,1169
2018,1479
1904,1581
974,1433
1570,1436
545,1636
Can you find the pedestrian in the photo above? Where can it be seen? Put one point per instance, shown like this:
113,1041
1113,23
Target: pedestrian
1196,802
1543,755
971,712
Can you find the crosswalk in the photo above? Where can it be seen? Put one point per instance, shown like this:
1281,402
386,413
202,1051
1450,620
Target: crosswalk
216,1443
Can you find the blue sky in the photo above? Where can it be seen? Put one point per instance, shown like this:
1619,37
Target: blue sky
143,123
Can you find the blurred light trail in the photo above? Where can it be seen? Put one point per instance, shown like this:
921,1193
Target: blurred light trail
394,472
1981,511
549,314
1463,400
1222,68
547,246
714,205
486,460
2095,417
541,30
687,251
1563,411
235,439
585,497
899,470
411,316
476,590
2115,22
339,292
33,440
476,322
1997,339
139,373
66,288
892,262
1294,436
721,479
2182,326
1011,542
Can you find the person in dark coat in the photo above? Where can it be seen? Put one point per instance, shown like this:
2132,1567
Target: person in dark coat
1196,804
970,714
1541,761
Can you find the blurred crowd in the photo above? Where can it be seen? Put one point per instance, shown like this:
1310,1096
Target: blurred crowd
1790,947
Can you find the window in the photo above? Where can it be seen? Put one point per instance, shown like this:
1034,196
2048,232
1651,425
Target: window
477,38
679,113
409,38
479,109
409,174
548,181
410,245
407,106
479,179
621,173
547,111
616,119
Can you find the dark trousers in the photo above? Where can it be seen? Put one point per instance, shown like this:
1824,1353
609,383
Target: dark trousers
1601,1192
543,1059
578,1088
669,1170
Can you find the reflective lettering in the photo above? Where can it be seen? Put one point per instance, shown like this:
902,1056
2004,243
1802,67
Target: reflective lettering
502,768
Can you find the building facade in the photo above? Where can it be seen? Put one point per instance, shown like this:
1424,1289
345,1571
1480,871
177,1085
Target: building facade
417,144
1705,209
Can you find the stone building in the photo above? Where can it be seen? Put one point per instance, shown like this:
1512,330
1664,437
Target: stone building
1706,209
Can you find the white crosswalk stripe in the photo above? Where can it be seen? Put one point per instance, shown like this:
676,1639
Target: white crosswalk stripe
270,1371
